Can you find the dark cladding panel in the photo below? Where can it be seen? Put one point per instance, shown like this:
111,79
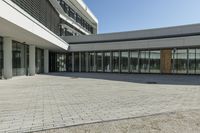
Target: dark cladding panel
43,11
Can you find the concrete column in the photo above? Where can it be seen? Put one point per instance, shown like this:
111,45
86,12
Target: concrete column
7,55
31,60
46,61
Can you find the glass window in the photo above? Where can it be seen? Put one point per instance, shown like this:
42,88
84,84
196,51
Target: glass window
20,59
83,61
69,62
39,60
180,61
106,62
91,63
71,13
154,61
61,62
144,61
197,61
124,61
115,61
134,61
192,61
76,61
52,62
99,61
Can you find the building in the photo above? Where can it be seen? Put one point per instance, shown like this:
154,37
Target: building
41,36
171,50
29,29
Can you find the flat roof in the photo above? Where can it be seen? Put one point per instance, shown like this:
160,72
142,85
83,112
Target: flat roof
156,33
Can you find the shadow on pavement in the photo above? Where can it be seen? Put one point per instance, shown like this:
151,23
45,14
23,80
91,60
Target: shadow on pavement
136,78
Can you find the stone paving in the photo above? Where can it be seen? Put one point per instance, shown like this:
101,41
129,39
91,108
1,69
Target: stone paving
65,99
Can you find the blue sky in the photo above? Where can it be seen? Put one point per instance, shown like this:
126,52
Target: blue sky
127,15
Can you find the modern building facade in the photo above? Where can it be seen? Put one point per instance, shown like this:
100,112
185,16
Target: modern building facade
41,36
29,29
172,50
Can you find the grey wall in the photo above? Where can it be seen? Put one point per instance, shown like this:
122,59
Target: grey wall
43,11
141,44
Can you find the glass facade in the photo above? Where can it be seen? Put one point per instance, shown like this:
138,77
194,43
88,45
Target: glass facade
83,61
107,62
91,62
69,62
39,60
1,57
20,59
115,62
124,61
198,61
61,62
144,61
99,61
192,61
134,61
154,62
76,62
180,62
57,62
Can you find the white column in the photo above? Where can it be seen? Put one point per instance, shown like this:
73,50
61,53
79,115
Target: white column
46,61
7,55
31,60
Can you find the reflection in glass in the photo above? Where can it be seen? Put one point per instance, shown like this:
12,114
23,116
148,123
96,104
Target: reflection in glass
69,62
106,62
144,61
154,61
192,61
83,61
39,60
124,61
99,61
180,61
61,62
76,62
115,61
20,59
197,61
52,62
91,64
134,61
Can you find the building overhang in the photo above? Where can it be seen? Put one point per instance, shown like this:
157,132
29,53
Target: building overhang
148,34
20,26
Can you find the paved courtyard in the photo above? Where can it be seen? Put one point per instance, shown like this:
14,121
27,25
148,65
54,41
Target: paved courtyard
66,99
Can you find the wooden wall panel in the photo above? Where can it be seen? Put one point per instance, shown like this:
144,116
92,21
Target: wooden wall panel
166,64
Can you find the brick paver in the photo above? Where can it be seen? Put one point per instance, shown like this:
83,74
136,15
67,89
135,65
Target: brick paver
60,100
